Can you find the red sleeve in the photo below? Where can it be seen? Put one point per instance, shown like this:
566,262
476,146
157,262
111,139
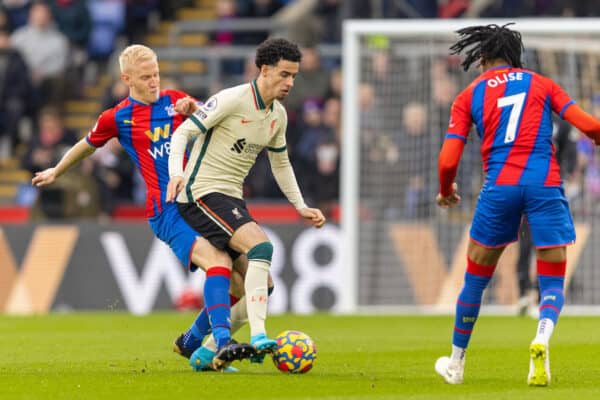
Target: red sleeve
460,116
448,164
456,137
104,130
583,121
559,99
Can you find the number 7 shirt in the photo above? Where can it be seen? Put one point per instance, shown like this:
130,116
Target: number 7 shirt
512,111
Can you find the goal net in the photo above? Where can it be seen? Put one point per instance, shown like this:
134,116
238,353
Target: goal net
399,82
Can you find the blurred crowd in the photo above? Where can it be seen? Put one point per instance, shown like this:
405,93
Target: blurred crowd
51,50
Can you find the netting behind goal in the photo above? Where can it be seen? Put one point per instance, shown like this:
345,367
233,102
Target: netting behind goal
399,84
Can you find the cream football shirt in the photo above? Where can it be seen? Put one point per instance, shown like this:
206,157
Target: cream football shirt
230,130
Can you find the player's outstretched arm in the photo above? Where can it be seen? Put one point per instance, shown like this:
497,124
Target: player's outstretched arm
78,152
583,121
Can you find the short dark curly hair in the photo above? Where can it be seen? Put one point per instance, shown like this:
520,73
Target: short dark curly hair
272,50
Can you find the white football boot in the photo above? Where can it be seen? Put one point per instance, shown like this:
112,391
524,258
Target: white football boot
451,370
539,365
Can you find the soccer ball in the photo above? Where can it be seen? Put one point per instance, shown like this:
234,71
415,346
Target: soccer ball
296,352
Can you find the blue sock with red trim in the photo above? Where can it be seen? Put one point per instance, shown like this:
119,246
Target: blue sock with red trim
468,304
194,336
216,299
551,280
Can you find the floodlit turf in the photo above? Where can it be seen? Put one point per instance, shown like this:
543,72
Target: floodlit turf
117,356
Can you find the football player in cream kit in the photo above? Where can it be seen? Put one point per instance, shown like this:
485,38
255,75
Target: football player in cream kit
231,129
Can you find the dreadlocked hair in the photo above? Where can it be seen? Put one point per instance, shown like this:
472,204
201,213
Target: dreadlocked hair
489,42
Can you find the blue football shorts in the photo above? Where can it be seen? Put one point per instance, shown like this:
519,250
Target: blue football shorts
499,209
172,229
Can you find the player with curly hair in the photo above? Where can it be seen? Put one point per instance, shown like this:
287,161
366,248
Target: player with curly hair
231,129
511,108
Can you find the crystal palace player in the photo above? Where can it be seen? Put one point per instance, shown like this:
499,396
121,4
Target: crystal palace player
511,108
143,124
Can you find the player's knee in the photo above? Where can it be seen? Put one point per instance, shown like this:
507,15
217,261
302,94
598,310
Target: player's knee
552,255
206,256
262,251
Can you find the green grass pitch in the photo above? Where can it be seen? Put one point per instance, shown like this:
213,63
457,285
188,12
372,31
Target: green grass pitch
118,356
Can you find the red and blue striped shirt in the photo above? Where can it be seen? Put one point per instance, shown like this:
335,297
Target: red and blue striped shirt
512,111
144,131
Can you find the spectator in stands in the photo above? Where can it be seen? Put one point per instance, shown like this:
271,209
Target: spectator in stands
312,132
255,9
335,84
226,10
387,86
139,15
46,51
417,161
444,88
322,189
331,20
73,20
108,20
50,143
381,172
332,111
312,81
369,115
15,94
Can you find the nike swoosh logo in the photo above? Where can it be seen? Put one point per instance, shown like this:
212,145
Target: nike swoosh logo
246,121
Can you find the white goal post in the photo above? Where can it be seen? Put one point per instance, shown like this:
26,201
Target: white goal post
401,253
